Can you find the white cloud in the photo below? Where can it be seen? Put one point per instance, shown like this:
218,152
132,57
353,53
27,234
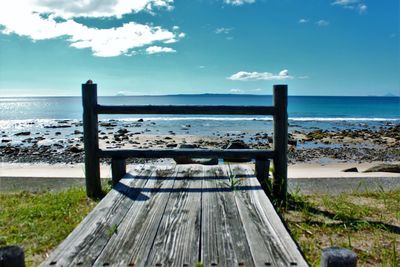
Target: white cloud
257,76
255,90
345,3
239,2
358,5
91,8
322,23
245,91
303,21
362,8
283,73
223,30
48,19
158,49
128,93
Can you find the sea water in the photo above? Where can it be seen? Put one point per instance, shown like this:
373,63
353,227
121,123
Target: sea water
305,112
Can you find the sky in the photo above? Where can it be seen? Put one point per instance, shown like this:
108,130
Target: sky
153,47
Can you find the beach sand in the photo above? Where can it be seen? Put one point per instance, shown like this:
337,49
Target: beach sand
305,178
301,170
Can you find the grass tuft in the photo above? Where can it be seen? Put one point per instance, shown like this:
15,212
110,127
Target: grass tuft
368,223
234,182
40,221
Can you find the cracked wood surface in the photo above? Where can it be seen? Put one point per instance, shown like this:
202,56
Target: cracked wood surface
179,216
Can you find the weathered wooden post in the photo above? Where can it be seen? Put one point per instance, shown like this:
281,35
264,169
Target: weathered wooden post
338,257
262,174
279,187
91,140
118,169
12,256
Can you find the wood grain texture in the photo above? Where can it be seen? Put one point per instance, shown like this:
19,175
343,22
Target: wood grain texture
193,153
91,141
178,237
94,227
280,143
269,241
118,169
132,243
223,241
262,174
175,216
96,242
186,109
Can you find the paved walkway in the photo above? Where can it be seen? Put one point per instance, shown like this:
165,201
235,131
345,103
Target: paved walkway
294,171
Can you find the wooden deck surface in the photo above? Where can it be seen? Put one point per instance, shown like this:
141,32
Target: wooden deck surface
179,216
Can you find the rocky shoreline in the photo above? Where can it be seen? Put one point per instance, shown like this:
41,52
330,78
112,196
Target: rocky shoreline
55,146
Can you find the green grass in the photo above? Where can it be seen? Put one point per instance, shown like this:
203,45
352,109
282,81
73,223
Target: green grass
40,221
367,223
234,181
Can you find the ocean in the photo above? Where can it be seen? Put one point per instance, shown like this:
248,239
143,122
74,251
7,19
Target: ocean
305,112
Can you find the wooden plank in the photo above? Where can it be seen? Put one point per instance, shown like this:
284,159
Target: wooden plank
269,241
194,153
167,219
132,242
223,241
280,143
178,237
82,245
187,109
91,141
95,243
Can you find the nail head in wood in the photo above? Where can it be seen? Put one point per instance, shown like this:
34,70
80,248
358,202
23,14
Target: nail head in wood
338,257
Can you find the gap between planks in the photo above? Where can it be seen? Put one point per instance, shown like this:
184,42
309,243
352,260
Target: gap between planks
178,216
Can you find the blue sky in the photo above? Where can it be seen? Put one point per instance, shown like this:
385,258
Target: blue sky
318,47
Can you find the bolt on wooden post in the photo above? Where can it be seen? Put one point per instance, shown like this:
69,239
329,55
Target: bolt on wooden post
280,143
91,140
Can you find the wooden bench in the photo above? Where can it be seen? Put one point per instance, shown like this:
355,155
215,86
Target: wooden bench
91,110
182,215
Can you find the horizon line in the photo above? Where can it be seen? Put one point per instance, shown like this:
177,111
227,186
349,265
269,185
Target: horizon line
194,94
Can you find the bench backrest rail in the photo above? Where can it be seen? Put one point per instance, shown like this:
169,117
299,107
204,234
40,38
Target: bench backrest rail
91,110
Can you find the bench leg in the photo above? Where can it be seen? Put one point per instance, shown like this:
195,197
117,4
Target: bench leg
118,169
262,174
